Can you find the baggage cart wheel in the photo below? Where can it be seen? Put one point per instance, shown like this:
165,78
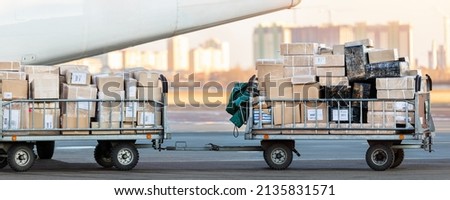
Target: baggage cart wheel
45,149
278,156
380,157
21,157
3,160
124,156
399,155
102,154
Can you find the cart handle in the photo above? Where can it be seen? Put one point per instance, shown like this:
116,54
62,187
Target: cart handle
418,82
429,82
165,84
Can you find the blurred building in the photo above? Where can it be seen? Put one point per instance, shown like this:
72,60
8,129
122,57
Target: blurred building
389,36
211,56
432,56
328,34
178,54
116,60
267,39
447,42
441,62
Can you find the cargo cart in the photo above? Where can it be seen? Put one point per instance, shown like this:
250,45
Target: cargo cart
30,123
388,125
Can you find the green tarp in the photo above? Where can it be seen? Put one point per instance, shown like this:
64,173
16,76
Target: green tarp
237,103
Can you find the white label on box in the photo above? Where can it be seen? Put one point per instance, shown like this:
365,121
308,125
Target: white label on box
78,78
315,114
318,60
83,105
11,122
132,92
129,112
147,118
340,115
403,106
7,95
48,122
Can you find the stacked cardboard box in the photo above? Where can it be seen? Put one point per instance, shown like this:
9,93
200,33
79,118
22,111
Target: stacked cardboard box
43,81
77,86
44,116
148,112
268,69
13,86
109,112
396,88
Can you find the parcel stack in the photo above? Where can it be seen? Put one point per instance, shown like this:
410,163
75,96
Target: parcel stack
76,91
14,86
148,92
43,84
313,85
71,98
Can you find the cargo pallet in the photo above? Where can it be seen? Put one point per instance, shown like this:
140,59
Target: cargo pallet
277,141
117,150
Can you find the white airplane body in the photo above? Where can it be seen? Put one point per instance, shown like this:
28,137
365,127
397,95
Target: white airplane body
55,31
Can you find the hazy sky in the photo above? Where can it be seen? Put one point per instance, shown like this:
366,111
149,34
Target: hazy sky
426,18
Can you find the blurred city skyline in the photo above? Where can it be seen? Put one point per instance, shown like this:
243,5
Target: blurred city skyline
425,18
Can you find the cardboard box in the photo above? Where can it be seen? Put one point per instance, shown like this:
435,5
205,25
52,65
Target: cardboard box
46,105
147,78
306,79
355,62
10,66
105,125
40,69
395,94
7,75
45,87
299,48
15,116
299,71
377,117
75,92
281,88
333,81
110,83
380,55
364,42
148,118
262,115
330,71
128,125
63,68
44,119
386,69
269,69
339,49
390,106
400,83
329,60
111,100
149,93
306,91
80,122
131,109
14,89
286,113
299,61
314,112
106,115
78,77
130,88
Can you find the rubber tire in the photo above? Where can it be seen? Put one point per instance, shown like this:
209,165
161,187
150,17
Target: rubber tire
3,160
125,156
278,156
23,151
45,149
399,155
102,154
381,152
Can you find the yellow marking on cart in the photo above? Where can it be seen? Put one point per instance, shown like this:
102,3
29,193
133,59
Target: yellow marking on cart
149,136
14,138
402,137
266,136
